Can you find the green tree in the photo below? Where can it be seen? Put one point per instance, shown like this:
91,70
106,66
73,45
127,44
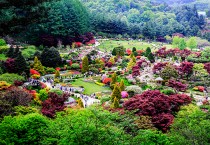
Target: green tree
192,43
122,85
176,41
28,129
191,126
169,72
38,66
148,51
50,57
10,52
151,57
114,80
116,93
21,64
182,44
43,95
85,64
115,103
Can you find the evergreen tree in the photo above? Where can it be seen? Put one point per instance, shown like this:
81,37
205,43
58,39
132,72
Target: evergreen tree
116,93
10,52
85,64
20,63
122,85
134,49
80,103
151,57
131,63
50,57
115,103
182,44
114,80
148,51
38,66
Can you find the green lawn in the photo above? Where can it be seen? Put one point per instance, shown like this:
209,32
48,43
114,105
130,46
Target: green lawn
110,44
90,87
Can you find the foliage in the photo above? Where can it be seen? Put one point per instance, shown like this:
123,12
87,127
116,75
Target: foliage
115,103
169,72
131,63
29,52
4,85
186,68
85,64
198,69
116,93
118,51
38,65
57,74
50,70
4,49
177,85
154,104
10,65
114,80
122,85
10,78
158,67
182,44
192,43
144,122
53,104
28,129
10,52
43,94
135,71
135,89
191,126
50,57
57,91
23,110
80,103
207,67
21,64
75,66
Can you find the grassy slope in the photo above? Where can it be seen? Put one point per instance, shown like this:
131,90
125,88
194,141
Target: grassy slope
89,87
110,44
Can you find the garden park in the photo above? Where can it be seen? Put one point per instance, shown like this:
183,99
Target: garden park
103,73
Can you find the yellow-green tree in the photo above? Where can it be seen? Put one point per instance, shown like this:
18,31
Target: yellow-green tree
114,80
57,74
85,64
38,66
116,103
122,85
112,60
131,63
80,103
116,93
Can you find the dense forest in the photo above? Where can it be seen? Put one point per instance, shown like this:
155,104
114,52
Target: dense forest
46,21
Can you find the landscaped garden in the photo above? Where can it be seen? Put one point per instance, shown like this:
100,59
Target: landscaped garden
103,73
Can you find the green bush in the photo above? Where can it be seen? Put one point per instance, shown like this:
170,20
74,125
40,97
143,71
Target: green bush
168,91
4,49
50,70
43,95
23,110
10,78
75,66
29,52
3,57
2,42
59,92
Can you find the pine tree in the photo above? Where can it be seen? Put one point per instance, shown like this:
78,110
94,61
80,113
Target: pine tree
10,52
151,57
38,66
114,80
148,51
85,64
131,63
122,85
20,63
116,93
115,103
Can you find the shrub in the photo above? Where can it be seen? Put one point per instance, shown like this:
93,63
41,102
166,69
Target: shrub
167,92
3,49
10,78
4,85
2,42
75,66
58,92
53,104
50,70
